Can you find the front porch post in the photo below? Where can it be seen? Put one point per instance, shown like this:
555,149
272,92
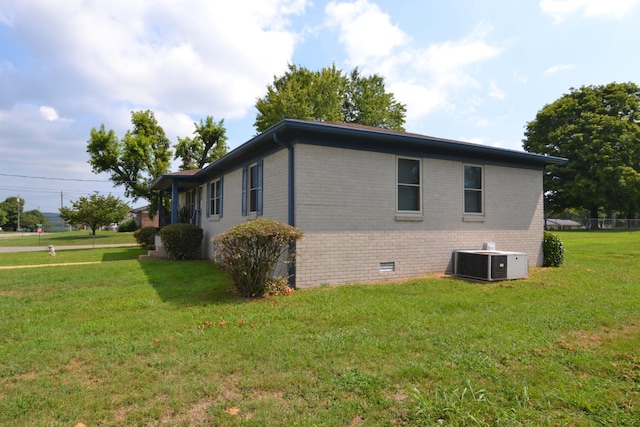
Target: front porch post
160,209
174,202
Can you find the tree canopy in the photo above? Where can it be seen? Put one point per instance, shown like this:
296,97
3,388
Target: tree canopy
29,220
597,128
208,145
134,161
95,211
329,95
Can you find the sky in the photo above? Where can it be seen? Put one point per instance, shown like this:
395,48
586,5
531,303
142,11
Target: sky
469,70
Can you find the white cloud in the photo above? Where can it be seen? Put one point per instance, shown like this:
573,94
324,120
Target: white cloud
198,57
558,68
49,113
426,79
561,9
366,32
495,91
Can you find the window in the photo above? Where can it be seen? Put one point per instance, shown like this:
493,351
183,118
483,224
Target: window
409,185
190,206
252,188
214,197
473,189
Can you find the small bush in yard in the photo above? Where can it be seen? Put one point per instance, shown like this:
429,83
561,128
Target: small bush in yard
127,226
181,241
553,250
251,251
145,237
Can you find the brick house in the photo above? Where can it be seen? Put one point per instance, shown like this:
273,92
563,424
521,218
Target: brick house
374,204
141,217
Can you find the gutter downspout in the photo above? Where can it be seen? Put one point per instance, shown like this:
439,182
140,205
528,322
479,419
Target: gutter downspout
290,199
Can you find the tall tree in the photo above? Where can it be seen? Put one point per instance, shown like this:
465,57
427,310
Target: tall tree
95,211
136,160
208,144
4,217
11,206
598,129
329,95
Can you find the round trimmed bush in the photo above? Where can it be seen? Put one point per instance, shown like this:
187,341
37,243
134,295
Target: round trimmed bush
145,237
181,241
251,251
553,250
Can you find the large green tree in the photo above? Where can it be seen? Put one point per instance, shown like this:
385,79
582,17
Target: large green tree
329,95
29,220
4,217
598,129
208,144
11,206
136,160
95,211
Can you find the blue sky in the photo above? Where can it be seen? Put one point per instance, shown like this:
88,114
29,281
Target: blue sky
471,70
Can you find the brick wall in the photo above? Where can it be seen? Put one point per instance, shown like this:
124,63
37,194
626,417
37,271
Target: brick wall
345,204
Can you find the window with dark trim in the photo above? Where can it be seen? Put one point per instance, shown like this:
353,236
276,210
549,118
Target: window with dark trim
409,185
190,206
473,189
214,198
252,188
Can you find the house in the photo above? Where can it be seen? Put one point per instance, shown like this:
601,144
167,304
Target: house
141,217
373,204
562,224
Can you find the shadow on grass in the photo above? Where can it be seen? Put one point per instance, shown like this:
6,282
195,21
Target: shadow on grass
191,282
124,254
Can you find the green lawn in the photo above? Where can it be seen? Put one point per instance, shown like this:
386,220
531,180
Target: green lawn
68,238
168,343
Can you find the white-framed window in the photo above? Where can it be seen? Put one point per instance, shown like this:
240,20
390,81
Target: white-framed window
252,188
214,197
409,185
473,189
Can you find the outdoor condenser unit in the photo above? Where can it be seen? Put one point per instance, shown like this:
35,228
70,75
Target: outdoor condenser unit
490,265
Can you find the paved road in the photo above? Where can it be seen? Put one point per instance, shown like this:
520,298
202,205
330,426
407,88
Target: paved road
62,248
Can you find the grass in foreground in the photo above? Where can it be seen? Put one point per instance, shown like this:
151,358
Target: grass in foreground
67,238
166,343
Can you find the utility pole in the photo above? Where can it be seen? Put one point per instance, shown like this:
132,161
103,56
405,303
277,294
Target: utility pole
61,220
18,225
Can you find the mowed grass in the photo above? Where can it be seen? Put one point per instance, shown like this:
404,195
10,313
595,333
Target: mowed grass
156,342
67,238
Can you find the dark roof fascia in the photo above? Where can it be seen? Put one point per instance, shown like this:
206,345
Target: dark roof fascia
357,138
414,145
259,146
165,182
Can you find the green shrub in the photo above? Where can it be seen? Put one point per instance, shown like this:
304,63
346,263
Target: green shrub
251,251
181,241
127,226
146,237
553,250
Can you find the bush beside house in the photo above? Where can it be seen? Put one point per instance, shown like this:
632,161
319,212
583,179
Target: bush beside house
181,241
251,251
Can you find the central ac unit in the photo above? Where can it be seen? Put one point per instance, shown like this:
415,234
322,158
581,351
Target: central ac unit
490,265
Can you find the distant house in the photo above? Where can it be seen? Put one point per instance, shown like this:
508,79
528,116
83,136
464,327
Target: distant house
373,204
141,217
562,224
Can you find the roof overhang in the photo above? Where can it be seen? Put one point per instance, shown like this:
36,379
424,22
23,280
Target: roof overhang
357,137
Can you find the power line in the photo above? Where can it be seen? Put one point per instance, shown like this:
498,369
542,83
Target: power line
57,179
